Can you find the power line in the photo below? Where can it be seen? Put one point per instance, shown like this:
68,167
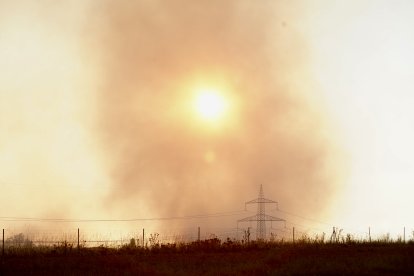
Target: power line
305,218
305,227
314,220
200,216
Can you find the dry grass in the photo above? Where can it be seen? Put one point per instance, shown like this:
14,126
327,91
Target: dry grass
214,257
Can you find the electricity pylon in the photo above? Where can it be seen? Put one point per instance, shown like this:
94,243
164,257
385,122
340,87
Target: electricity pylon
261,216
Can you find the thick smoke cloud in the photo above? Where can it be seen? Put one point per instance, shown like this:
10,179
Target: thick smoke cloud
151,52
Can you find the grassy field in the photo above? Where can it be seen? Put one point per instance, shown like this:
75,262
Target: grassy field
212,257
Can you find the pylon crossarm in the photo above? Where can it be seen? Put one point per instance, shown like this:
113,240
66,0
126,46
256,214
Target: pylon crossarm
252,218
272,218
261,200
260,218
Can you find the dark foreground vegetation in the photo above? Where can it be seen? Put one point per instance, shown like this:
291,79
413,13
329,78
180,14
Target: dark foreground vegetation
212,257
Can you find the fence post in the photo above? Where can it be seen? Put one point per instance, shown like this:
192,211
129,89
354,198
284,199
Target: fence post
78,240
143,237
293,234
369,233
199,233
2,251
248,234
404,234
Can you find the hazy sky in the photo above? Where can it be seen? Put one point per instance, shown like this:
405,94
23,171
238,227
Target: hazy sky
99,118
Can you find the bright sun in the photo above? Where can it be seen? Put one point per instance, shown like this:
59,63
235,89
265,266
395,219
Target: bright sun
210,104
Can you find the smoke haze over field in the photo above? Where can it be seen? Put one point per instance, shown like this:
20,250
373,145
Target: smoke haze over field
156,53
97,113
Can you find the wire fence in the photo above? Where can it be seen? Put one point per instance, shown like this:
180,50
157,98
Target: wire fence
76,238
295,228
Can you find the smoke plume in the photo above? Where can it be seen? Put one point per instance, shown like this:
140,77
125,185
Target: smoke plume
151,52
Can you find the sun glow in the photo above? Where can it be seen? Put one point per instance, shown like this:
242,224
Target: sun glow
210,105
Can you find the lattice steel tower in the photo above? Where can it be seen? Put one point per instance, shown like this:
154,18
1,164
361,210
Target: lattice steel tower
261,216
